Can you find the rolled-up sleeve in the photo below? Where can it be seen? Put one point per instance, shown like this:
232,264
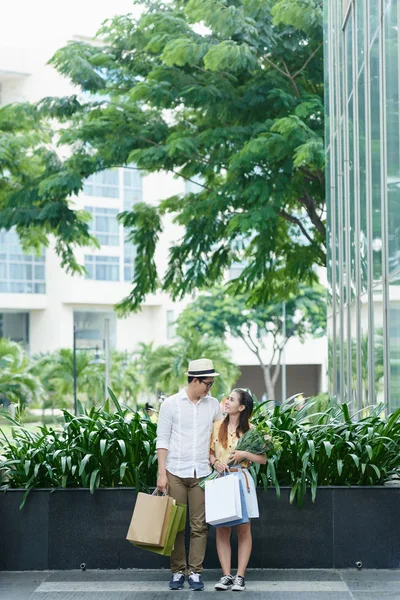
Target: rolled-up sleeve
218,412
164,426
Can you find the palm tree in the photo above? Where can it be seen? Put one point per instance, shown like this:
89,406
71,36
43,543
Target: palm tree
57,373
125,379
165,366
18,383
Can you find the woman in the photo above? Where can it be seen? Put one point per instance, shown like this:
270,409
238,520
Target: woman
225,436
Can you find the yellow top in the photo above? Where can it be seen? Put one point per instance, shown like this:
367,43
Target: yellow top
220,452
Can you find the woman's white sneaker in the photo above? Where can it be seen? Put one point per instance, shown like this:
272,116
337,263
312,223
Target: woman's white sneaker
238,584
225,583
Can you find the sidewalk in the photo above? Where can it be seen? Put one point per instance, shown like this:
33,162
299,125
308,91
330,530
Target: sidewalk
153,585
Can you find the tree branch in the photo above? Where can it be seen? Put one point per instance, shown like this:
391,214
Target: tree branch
292,81
309,59
310,207
281,71
296,221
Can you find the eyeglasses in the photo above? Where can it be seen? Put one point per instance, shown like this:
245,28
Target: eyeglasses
209,384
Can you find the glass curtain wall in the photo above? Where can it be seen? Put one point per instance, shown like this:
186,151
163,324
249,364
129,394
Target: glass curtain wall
363,198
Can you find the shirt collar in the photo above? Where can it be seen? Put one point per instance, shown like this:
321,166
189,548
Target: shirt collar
184,396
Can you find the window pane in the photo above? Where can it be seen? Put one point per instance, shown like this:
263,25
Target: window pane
392,134
16,268
90,328
104,184
363,182
394,342
376,161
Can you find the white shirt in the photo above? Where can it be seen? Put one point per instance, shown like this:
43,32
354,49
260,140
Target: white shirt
184,429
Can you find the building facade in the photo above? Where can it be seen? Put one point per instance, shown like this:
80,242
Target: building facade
362,44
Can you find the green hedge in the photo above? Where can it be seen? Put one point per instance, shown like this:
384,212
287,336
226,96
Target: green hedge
102,448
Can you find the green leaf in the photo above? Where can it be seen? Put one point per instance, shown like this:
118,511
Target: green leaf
122,445
84,462
94,480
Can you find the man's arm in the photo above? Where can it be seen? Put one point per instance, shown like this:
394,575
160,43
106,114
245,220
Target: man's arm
218,412
162,479
163,438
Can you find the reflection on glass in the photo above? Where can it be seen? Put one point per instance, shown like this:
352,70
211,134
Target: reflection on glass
378,361
392,134
363,182
394,342
360,33
373,17
376,162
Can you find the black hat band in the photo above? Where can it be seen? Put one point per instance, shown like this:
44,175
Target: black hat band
205,372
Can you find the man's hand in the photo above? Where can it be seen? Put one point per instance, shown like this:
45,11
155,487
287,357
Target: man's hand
162,482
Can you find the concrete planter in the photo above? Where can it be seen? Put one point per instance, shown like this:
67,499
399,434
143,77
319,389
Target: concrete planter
64,528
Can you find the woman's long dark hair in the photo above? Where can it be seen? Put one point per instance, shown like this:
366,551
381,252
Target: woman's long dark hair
245,399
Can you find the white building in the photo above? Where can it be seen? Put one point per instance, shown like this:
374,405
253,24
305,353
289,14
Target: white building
40,303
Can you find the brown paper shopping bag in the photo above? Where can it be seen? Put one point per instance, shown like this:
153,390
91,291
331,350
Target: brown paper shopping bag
177,523
150,520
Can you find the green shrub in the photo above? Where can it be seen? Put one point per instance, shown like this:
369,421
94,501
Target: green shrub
97,448
330,447
100,448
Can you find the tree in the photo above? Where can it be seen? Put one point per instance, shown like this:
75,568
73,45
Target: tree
165,366
18,384
125,380
227,94
57,372
35,188
260,328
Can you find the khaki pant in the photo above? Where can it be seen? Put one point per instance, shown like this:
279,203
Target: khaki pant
187,491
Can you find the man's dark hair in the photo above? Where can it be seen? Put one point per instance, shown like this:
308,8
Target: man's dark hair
190,379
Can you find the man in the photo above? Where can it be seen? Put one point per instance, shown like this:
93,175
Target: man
151,413
183,447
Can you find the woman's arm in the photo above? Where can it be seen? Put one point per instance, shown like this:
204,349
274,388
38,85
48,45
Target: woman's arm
239,455
217,464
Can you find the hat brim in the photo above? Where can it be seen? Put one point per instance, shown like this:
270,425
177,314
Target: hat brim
197,375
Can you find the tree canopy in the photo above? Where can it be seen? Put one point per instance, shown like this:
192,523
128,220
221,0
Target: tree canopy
226,94
34,189
262,328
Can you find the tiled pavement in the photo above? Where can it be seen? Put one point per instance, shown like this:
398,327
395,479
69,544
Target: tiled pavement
152,585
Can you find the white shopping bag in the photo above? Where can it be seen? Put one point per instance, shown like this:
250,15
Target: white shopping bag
223,500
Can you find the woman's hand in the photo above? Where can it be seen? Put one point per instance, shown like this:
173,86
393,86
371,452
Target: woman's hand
220,466
238,456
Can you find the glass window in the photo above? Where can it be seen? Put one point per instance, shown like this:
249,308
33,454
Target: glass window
15,327
171,328
104,225
363,183
19,273
360,33
104,184
373,17
392,133
378,346
394,341
132,187
90,328
102,268
351,200
376,161
129,261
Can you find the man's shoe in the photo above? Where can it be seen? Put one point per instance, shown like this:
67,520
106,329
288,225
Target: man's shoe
177,581
225,583
195,582
238,584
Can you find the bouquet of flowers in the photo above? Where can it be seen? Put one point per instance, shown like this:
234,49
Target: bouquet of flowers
256,440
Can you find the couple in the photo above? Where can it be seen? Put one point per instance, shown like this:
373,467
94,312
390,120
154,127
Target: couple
192,438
